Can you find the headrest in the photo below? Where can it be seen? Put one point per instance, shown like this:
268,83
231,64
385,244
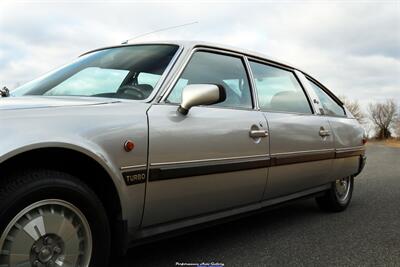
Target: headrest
289,101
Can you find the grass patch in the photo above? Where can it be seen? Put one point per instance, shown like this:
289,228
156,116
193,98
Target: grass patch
393,142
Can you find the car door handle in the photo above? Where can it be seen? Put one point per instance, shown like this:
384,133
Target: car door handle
324,133
258,133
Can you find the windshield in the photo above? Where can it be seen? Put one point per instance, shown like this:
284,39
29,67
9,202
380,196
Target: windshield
130,72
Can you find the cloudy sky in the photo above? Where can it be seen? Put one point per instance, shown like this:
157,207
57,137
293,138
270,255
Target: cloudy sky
352,47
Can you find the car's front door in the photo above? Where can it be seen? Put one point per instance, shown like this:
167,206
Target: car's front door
301,143
205,161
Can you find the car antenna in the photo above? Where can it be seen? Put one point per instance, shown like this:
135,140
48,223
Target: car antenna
159,30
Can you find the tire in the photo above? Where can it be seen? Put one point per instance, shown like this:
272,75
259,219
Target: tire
338,197
48,217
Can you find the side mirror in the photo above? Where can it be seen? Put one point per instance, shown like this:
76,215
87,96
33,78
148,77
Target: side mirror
201,94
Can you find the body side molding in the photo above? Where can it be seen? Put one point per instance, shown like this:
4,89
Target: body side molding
176,170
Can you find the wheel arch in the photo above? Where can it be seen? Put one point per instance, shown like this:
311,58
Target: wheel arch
91,168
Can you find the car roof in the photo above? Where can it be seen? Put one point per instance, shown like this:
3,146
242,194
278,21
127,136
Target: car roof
193,44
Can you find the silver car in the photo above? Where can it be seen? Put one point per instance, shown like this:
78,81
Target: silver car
132,143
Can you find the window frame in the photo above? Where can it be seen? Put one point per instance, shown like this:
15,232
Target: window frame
178,74
285,68
330,94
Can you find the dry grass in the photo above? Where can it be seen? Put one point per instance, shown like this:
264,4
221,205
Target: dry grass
389,142
393,142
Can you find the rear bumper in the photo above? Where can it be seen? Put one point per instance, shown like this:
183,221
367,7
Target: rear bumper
363,160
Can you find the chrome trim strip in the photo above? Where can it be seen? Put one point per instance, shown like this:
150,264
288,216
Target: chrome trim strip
349,152
206,160
252,83
245,157
303,152
123,168
345,149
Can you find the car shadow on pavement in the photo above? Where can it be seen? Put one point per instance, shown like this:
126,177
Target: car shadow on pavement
196,246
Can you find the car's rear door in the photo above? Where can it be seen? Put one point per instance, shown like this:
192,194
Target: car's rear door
348,133
206,161
301,144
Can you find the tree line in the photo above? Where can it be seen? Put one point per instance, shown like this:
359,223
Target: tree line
381,117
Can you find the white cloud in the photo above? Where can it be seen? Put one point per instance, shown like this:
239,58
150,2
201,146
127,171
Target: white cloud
353,48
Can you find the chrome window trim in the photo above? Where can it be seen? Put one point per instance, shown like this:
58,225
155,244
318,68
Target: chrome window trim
293,71
286,112
253,89
216,51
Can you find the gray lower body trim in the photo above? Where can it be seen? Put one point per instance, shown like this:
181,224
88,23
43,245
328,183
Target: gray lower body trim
198,220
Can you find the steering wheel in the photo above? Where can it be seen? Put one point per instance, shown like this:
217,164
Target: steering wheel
135,92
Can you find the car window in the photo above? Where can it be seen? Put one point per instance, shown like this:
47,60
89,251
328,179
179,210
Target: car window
90,81
278,89
148,78
129,72
331,107
212,68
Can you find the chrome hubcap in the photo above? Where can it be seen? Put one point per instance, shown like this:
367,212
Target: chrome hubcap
342,188
47,250
48,233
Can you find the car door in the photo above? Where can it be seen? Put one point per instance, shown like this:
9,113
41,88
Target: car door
301,144
206,161
348,133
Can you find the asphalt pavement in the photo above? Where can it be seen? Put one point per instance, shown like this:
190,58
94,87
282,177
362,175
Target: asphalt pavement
299,234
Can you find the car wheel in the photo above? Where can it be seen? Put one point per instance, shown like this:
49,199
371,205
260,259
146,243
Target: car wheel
338,197
48,218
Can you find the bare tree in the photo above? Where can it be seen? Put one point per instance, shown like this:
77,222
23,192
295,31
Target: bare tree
383,115
355,109
369,129
397,125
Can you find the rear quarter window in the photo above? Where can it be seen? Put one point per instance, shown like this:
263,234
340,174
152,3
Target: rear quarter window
331,107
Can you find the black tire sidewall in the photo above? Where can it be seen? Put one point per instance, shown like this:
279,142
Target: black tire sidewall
55,185
349,197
